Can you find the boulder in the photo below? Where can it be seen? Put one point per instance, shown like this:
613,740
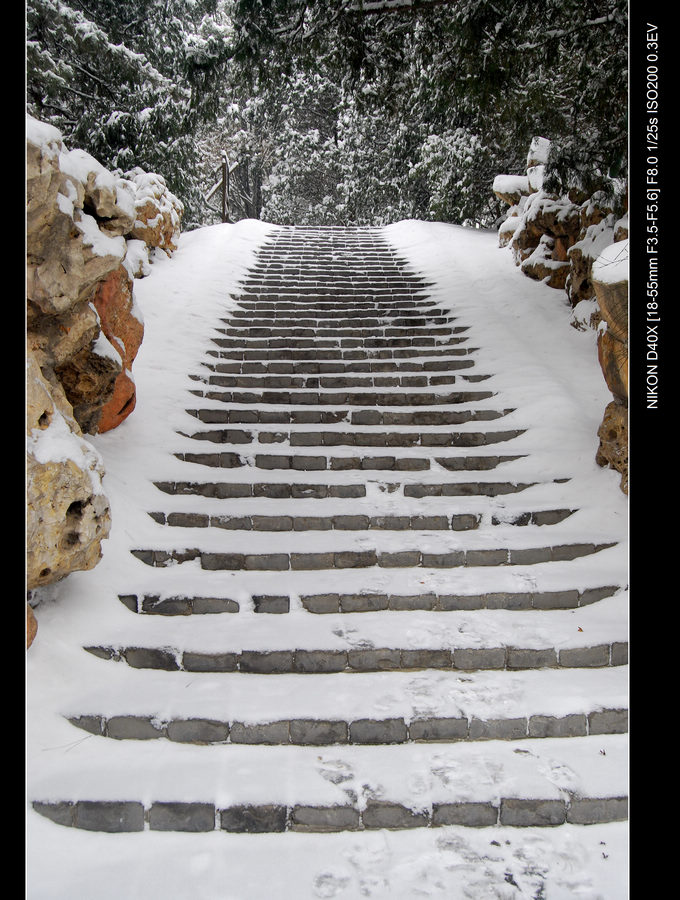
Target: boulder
621,229
556,216
593,239
89,378
110,199
541,264
158,213
610,281
613,446
507,229
67,511
511,188
88,235
66,251
613,357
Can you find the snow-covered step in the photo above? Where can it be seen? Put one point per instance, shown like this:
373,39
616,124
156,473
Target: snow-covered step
357,438
306,416
593,636
568,584
372,708
364,601
338,488
341,368
163,785
348,522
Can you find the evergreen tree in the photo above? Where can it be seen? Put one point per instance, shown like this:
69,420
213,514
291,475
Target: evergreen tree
128,80
337,111
438,97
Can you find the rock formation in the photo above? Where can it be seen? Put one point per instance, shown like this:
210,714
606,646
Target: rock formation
610,280
564,241
67,510
89,233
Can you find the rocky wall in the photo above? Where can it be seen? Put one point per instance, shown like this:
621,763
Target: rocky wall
89,233
578,245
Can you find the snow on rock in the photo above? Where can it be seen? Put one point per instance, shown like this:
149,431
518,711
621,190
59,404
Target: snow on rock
539,150
579,231
510,188
158,212
581,248
83,331
67,511
611,265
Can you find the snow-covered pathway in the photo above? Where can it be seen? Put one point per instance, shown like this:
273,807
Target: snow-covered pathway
364,592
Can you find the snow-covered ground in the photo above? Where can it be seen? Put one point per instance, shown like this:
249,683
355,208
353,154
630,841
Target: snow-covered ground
551,369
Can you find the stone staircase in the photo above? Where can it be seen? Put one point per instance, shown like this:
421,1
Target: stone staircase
376,615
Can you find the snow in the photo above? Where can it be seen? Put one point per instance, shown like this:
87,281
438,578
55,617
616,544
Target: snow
546,371
45,136
596,239
539,150
535,177
58,444
100,243
611,266
511,184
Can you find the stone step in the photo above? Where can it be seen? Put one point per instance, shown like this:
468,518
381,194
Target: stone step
284,560
278,523
332,317
366,601
337,368
308,491
357,438
340,354
384,707
345,788
376,659
319,463
366,270
340,381
326,310
368,417
339,343
483,621
313,294
364,731
345,398
319,324
363,334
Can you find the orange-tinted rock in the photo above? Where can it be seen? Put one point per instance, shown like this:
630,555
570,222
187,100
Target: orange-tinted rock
115,304
31,626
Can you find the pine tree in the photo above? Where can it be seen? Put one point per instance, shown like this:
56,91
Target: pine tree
128,80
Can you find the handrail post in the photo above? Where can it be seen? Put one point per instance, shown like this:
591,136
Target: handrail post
225,188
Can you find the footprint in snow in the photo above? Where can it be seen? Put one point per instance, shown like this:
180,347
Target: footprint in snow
337,771
560,775
328,884
356,643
